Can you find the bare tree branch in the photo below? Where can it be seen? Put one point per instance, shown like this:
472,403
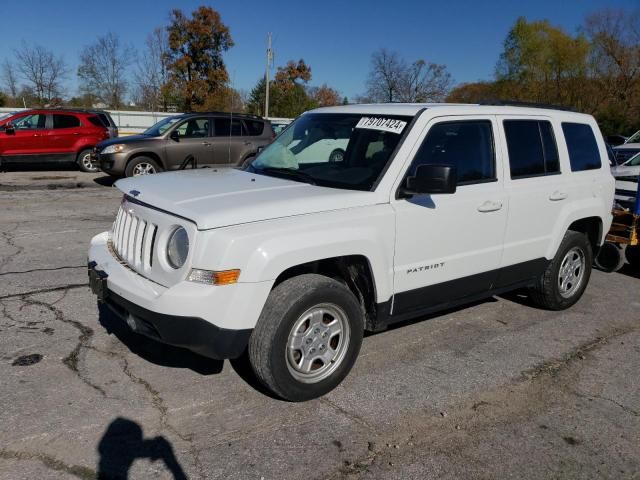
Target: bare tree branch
103,68
42,70
9,78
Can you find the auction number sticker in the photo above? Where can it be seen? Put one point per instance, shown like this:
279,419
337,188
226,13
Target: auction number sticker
384,124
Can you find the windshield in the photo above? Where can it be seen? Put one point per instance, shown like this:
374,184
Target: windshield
161,127
337,150
633,161
635,138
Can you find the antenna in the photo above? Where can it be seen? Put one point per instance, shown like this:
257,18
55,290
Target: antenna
266,75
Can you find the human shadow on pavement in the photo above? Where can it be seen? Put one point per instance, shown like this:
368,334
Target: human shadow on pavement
123,443
156,352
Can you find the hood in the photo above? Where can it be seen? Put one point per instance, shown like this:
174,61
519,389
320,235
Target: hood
222,197
125,140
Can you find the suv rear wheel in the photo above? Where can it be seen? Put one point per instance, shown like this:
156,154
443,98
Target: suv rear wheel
566,277
84,161
141,166
307,338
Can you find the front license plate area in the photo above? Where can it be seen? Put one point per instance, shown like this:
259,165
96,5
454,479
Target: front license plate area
98,283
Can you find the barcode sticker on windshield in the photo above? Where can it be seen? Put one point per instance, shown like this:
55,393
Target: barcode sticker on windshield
384,124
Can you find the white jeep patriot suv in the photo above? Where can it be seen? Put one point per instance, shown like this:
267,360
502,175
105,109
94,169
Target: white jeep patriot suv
430,206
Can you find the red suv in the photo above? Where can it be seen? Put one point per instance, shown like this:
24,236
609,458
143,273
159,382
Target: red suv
39,136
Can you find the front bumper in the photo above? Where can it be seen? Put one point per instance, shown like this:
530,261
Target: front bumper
111,163
214,321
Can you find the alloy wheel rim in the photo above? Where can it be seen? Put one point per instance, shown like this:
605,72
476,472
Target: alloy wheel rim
88,164
317,343
571,272
143,168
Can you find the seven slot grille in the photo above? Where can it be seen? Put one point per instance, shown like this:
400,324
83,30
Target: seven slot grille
133,240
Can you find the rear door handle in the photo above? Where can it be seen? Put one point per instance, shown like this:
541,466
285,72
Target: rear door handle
247,143
557,196
490,206
206,144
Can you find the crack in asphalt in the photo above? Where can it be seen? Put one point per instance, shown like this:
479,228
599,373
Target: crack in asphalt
350,415
44,290
51,463
9,240
545,370
52,269
158,403
72,360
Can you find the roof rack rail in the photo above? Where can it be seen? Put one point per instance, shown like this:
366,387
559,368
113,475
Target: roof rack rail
518,103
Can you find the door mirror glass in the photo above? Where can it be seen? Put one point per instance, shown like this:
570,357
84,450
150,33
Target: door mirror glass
431,179
175,135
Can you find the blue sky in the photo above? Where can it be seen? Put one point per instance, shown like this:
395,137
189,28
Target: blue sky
335,37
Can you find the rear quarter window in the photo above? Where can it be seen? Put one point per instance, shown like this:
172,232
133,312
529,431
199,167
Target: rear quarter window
97,122
254,128
582,146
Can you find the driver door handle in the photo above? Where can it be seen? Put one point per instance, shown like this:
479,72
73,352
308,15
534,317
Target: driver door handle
490,206
206,144
557,196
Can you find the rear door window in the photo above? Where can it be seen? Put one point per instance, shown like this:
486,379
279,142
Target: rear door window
227,127
466,145
532,148
65,121
582,146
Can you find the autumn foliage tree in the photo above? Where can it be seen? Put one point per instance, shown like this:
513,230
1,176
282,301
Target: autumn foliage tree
197,73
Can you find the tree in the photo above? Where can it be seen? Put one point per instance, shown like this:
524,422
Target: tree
543,63
42,71
196,67
392,79
9,78
3,99
615,61
103,69
152,72
325,96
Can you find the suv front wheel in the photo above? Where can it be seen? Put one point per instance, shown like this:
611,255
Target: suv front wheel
307,338
567,276
141,166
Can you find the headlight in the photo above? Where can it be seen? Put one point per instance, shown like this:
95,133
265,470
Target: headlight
117,148
178,248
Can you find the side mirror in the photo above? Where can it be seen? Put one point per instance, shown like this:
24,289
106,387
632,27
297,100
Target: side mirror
175,136
9,128
431,179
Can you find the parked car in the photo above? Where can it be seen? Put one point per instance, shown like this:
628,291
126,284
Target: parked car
432,206
626,176
615,140
212,139
51,135
628,149
279,124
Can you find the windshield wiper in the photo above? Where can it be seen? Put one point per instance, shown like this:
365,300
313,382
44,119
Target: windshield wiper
288,171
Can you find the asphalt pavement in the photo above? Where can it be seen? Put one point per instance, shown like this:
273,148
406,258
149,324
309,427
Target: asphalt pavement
498,389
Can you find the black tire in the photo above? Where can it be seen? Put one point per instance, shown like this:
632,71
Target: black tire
337,155
294,301
140,163
610,257
247,161
549,293
632,254
84,163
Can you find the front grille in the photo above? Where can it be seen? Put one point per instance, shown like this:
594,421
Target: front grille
133,240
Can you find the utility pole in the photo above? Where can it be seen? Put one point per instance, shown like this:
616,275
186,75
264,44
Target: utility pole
269,62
